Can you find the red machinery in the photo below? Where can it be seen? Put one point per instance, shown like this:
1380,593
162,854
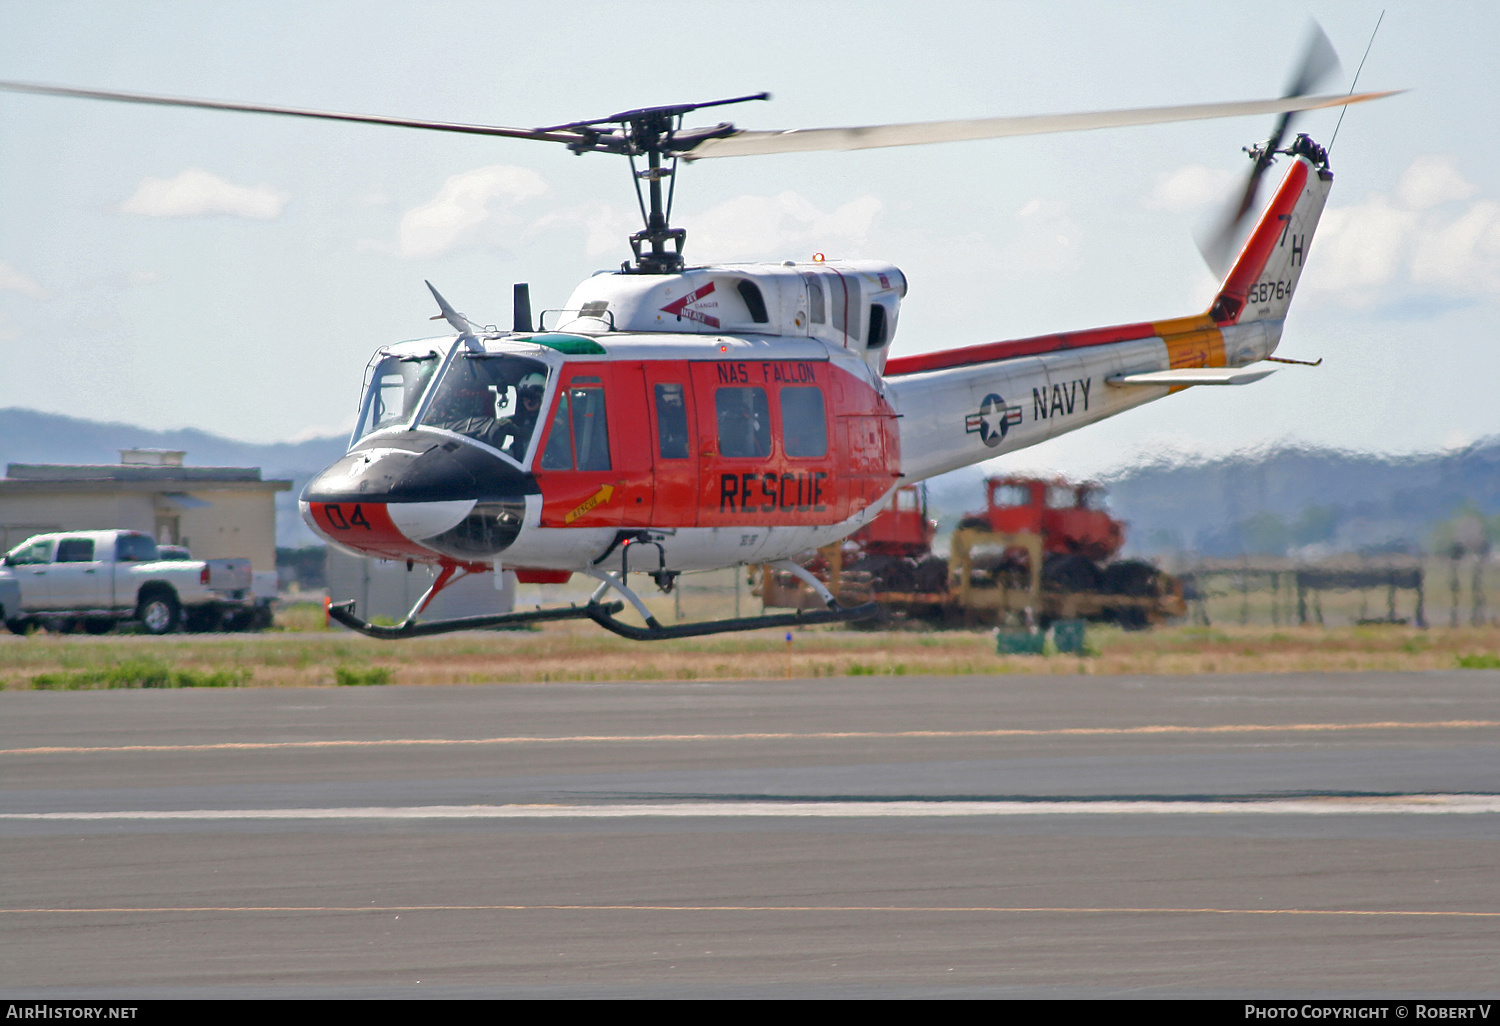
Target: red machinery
1038,552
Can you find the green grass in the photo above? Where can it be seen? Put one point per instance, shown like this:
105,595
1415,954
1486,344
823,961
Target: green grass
140,673
1480,661
362,676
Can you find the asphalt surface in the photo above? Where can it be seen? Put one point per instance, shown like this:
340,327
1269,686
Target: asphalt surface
1231,836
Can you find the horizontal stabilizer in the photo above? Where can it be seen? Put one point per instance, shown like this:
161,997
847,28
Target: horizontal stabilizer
1193,376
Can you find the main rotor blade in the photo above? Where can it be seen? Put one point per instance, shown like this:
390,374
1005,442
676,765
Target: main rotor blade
743,144
296,112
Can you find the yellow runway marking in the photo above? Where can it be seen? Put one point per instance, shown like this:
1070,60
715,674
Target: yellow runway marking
920,909
853,735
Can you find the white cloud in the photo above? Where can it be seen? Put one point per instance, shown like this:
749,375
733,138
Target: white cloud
467,203
196,192
1360,247
1048,241
1429,237
606,227
1432,179
373,196
1464,255
1190,187
12,280
785,225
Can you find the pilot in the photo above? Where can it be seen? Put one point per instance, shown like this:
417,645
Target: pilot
465,407
741,432
522,423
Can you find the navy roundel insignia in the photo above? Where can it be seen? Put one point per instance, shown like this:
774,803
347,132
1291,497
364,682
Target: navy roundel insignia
993,420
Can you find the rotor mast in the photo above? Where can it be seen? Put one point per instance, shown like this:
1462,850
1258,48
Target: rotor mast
654,133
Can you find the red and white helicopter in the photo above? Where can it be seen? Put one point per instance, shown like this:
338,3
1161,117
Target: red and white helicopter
672,417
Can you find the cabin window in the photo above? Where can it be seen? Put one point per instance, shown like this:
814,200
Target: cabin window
36,552
1061,497
395,388
671,422
804,425
878,336
135,548
75,550
754,301
579,439
908,502
814,300
1092,499
1010,495
744,418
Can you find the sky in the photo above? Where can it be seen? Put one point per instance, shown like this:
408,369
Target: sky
230,272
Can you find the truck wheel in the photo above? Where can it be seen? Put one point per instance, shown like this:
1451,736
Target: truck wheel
1070,573
1131,577
159,614
18,625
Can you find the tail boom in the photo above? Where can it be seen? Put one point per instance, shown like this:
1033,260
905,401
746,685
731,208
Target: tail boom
968,405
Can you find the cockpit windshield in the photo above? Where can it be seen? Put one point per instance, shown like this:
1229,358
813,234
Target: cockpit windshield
395,389
491,399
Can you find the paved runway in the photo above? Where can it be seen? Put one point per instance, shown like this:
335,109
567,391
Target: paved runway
1293,835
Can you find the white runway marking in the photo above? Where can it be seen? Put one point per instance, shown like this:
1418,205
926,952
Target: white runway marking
1429,804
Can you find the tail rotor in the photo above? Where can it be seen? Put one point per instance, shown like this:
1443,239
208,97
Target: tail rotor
1318,62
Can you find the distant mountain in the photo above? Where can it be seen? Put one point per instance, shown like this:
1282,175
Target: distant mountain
1274,501
28,436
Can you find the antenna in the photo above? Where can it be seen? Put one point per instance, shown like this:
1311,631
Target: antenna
1357,70
458,321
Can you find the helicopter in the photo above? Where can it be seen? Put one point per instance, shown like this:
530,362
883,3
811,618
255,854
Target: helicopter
673,417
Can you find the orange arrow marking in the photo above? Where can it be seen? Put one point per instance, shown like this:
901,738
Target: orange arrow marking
599,498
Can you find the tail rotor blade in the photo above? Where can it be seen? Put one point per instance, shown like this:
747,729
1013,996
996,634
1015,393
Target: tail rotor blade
1318,62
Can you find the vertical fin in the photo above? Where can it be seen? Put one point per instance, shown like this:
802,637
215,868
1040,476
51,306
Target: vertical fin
1259,286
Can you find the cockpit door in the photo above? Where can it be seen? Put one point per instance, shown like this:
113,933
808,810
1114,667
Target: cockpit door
674,443
591,465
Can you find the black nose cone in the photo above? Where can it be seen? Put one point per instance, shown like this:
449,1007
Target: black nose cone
417,466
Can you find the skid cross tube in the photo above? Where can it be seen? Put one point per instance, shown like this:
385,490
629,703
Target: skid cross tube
654,630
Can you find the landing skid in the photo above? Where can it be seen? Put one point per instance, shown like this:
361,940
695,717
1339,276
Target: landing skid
343,612
655,631
603,613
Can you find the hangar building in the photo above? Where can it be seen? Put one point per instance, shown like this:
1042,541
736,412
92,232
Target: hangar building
217,512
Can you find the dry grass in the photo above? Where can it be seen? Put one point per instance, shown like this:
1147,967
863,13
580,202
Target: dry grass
583,652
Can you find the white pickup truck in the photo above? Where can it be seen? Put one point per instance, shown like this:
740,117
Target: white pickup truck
96,579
